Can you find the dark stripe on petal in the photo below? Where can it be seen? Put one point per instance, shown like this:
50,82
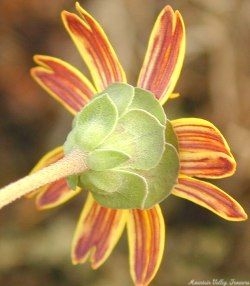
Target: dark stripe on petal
55,194
97,233
164,56
210,197
203,150
94,48
64,82
146,235
49,158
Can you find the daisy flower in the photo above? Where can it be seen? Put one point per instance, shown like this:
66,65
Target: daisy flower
195,150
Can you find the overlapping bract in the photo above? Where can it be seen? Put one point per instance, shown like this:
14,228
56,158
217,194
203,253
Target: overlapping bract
131,164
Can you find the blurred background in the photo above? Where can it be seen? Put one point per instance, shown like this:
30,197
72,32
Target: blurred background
214,84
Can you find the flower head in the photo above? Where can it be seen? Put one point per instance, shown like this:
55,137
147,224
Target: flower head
128,176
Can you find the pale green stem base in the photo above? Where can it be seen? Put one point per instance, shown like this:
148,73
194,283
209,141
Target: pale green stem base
73,163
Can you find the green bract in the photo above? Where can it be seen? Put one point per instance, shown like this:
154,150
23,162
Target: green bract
129,147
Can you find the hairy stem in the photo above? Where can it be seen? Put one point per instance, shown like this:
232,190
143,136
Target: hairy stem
73,163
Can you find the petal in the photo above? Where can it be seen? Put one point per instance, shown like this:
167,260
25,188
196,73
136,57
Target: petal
203,150
98,230
49,158
55,194
209,197
164,56
64,82
94,48
174,95
146,236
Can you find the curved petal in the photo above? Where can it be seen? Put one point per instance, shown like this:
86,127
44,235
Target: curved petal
203,150
164,56
97,232
64,82
94,48
55,194
49,158
146,236
209,197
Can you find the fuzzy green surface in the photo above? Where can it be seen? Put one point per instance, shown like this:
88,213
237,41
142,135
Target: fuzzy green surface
129,147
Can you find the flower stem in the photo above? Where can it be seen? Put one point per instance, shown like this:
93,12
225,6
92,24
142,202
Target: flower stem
72,163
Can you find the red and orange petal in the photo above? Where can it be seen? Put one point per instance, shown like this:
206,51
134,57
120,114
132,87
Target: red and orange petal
94,48
164,56
55,194
209,197
97,232
49,158
203,150
146,236
63,81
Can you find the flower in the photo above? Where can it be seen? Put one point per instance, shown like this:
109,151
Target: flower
203,151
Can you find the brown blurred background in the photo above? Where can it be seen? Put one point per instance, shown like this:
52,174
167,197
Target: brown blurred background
214,84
